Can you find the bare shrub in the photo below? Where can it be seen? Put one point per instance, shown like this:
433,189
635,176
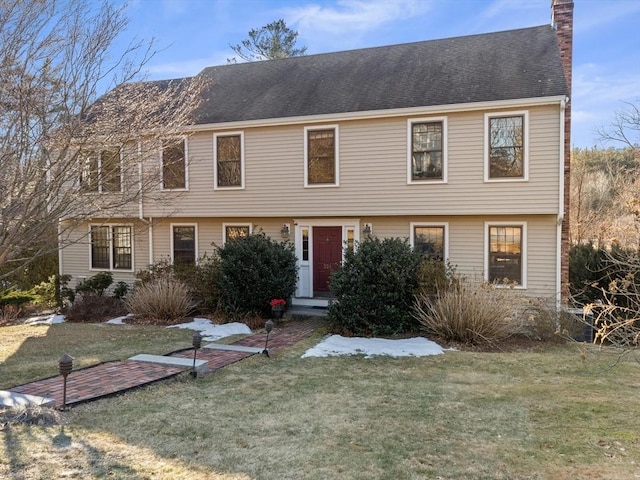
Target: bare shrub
543,321
471,313
91,307
8,314
163,298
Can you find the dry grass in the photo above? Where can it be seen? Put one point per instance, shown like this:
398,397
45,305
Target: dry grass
164,298
469,312
561,413
31,352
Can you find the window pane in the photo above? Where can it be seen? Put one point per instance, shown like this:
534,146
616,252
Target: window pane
505,254
110,171
184,245
506,147
350,239
426,157
429,241
100,247
122,248
89,172
228,158
321,156
234,232
305,245
173,165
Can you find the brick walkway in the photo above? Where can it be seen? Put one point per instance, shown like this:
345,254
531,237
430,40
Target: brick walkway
111,378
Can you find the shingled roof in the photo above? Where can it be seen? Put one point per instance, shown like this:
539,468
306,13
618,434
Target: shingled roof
523,63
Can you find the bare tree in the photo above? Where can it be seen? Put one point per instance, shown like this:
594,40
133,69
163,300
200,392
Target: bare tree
272,41
625,127
64,152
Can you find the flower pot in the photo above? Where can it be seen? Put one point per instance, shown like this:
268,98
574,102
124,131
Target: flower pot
277,313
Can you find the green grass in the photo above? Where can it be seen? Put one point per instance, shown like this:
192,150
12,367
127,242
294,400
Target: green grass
561,413
31,352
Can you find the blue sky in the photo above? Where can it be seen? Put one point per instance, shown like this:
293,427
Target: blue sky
193,34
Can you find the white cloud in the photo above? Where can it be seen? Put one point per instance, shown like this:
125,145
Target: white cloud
354,15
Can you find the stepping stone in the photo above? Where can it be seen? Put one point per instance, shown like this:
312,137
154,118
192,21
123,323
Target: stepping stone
12,399
186,363
233,348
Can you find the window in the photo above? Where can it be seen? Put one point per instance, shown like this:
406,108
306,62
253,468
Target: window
430,240
321,157
228,161
183,242
506,151
174,164
427,150
111,247
506,253
101,172
234,231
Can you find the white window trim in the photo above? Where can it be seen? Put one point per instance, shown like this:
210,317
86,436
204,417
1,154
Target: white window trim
186,165
487,225
525,139
445,138
336,145
235,224
445,225
171,253
215,160
111,269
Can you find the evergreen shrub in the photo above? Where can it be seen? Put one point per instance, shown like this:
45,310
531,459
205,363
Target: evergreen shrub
374,288
253,271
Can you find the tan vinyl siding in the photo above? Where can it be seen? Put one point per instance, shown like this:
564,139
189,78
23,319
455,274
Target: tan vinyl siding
76,257
373,173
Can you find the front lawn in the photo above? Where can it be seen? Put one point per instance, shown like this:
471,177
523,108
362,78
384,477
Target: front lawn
553,413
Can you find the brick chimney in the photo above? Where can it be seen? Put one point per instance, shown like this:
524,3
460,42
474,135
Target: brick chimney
562,22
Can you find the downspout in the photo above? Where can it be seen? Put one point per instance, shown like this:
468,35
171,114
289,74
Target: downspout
141,204
561,212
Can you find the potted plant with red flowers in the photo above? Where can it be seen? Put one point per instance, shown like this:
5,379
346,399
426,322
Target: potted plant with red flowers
277,307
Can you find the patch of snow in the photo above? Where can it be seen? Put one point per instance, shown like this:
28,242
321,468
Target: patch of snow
337,345
45,320
211,332
119,320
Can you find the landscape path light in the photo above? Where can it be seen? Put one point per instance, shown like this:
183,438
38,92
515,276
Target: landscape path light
65,365
268,326
197,343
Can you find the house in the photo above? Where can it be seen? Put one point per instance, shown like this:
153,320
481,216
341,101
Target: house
459,144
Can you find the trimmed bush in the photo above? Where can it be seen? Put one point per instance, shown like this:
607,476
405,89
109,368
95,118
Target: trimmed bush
470,312
374,288
164,298
96,285
253,271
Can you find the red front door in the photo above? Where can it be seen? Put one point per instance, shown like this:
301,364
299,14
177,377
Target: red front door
327,256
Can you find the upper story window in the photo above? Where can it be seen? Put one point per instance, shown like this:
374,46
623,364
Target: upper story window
111,247
430,240
235,231
229,160
183,244
506,151
321,156
427,150
174,164
101,172
506,253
